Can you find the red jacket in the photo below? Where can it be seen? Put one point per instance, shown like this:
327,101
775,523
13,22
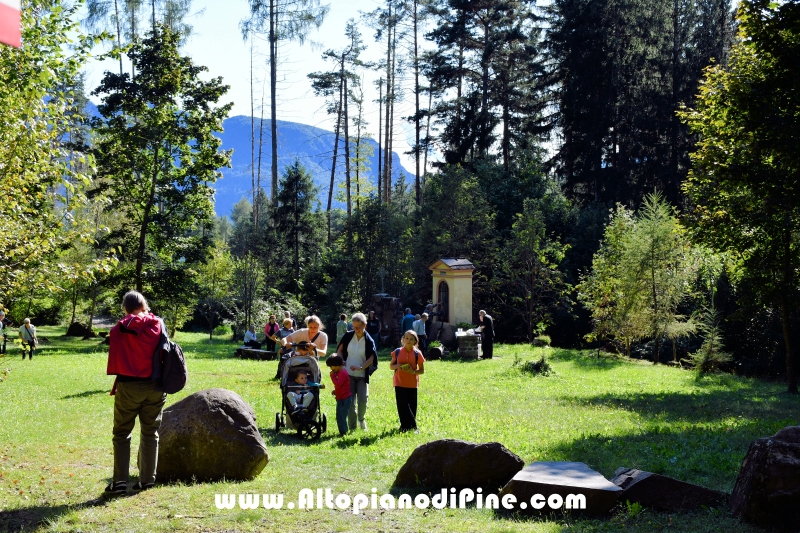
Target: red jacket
132,355
341,384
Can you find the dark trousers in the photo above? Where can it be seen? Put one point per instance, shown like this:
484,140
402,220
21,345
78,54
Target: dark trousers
487,346
31,346
406,407
253,344
270,345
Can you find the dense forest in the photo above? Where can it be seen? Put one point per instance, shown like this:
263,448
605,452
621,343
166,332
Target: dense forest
623,174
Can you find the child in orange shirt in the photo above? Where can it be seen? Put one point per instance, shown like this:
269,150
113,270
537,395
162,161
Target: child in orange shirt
408,364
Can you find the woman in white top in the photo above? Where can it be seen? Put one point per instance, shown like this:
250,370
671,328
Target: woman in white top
357,348
312,334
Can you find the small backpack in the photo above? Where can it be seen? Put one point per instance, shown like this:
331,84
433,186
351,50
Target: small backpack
169,365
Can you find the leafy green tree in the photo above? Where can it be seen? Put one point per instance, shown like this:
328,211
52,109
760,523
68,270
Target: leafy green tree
660,264
745,180
643,271
616,73
38,177
604,292
215,280
529,268
157,155
298,223
710,355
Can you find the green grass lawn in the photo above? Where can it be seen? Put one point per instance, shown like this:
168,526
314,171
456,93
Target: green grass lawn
56,455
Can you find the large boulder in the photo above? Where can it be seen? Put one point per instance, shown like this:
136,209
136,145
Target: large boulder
459,464
578,486
767,490
208,436
662,492
76,329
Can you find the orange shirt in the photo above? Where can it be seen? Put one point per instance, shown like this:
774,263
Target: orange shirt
406,379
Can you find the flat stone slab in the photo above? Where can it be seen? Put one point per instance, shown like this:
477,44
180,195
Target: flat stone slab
662,492
565,479
252,353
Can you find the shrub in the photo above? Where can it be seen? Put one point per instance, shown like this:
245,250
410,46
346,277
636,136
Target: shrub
536,368
710,357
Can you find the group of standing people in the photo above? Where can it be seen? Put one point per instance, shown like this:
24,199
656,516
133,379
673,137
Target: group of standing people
353,363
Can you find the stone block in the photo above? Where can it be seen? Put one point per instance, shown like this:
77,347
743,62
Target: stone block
662,492
565,479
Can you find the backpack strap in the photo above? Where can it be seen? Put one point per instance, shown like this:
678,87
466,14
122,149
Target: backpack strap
397,357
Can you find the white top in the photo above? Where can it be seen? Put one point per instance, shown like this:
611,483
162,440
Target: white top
249,336
302,335
25,334
356,355
419,327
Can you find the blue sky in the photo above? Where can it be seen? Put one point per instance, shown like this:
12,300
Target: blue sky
217,44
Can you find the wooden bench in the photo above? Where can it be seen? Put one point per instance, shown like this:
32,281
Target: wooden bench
252,353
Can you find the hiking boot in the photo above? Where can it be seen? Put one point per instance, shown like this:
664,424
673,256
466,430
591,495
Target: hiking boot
139,487
362,424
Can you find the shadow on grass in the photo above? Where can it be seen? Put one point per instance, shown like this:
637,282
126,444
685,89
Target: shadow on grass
85,394
364,439
699,438
703,406
30,518
586,360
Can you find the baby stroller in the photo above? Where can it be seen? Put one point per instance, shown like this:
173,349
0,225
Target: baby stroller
309,423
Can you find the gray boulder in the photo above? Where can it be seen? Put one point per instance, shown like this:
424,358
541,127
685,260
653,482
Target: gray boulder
580,488
208,436
459,464
662,492
767,489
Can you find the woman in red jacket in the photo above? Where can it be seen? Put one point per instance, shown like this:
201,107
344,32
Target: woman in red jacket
130,357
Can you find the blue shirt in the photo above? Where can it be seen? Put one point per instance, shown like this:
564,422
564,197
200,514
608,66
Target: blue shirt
407,324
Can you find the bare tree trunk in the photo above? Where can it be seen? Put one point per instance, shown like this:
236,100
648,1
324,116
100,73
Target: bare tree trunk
346,144
427,138
390,160
257,195
95,290
273,89
380,133
335,154
119,33
416,104
788,285
252,133
386,153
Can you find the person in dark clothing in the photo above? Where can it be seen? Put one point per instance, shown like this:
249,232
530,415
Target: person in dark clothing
374,328
487,334
408,321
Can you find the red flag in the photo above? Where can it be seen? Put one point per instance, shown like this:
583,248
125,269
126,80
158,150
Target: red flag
9,22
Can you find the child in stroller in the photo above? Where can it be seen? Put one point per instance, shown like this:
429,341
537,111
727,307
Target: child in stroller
300,394
300,386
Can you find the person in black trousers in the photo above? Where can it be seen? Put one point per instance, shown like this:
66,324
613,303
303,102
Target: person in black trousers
487,334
